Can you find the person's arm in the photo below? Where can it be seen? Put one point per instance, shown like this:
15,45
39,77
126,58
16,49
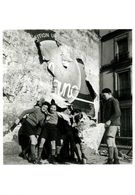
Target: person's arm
29,111
17,121
48,113
24,113
64,116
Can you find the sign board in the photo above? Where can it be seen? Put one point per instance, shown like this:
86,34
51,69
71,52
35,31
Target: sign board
68,74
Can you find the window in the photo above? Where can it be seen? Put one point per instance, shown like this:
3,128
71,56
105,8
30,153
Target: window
124,84
121,48
126,122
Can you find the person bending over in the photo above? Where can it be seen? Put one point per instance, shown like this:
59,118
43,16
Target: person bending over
111,118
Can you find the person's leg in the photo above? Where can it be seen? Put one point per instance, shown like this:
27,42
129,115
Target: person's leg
64,153
59,144
33,140
53,152
52,137
24,142
53,147
70,142
25,151
116,157
40,149
110,150
74,148
84,158
111,133
77,154
81,149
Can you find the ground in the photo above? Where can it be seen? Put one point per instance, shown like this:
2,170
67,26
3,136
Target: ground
11,156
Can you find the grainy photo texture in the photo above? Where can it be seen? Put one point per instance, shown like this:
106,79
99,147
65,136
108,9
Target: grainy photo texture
67,96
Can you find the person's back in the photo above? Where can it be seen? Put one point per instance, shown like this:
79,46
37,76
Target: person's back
112,111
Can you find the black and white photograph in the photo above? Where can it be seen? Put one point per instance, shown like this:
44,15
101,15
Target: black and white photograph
67,96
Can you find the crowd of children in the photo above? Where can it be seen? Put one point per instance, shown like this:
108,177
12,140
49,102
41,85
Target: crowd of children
49,132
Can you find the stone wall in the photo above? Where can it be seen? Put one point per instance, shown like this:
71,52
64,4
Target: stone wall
25,78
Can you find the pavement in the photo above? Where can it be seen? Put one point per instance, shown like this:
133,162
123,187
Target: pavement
95,159
11,156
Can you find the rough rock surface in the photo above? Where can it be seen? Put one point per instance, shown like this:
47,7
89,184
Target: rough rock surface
25,79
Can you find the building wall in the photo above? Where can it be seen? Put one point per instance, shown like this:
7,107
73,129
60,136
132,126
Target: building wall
112,75
108,47
105,31
107,52
107,80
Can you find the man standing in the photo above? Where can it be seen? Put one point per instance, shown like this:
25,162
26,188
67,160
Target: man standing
111,118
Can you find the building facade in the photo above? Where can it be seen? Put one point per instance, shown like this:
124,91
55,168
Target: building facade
116,72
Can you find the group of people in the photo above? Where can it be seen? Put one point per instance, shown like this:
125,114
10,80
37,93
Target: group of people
49,132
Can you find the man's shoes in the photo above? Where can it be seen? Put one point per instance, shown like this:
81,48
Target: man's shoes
32,159
52,159
23,155
44,161
59,159
109,161
38,161
116,161
84,161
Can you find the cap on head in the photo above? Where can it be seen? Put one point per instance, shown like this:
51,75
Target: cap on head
106,90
